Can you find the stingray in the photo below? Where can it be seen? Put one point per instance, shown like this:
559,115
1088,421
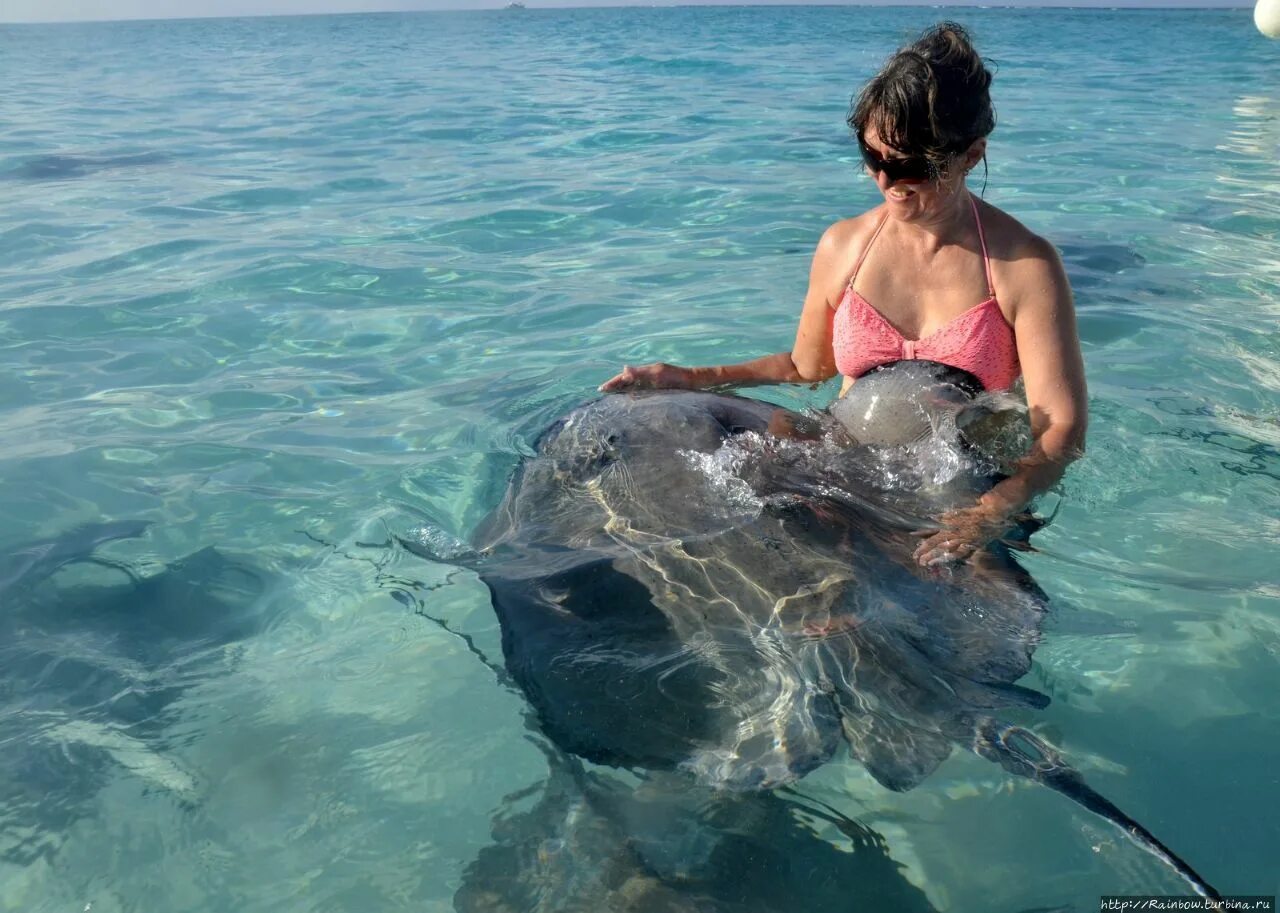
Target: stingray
59,167
705,583
95,657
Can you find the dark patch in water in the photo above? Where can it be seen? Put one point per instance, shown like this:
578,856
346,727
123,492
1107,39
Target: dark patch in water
1088,263
57,167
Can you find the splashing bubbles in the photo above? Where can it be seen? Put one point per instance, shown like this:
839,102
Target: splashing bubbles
723,470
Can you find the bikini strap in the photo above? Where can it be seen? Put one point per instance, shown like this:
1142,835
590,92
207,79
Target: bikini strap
866,248
982,239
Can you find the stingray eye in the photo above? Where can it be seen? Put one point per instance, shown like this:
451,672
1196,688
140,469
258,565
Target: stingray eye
599,458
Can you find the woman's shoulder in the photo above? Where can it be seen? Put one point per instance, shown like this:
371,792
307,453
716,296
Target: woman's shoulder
1025,267
852,231
844,240
838,251
1009,240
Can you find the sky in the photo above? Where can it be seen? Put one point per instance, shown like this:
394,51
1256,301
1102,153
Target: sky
83,10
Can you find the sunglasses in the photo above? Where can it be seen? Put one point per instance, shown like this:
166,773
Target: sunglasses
913,169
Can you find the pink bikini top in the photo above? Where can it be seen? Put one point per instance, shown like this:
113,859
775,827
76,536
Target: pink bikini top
979,341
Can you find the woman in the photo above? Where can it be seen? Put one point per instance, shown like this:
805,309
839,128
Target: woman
932,273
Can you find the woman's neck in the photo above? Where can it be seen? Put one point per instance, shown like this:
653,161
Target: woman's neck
951,224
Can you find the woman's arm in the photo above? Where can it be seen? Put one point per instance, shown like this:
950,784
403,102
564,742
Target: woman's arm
1053,372
1044,325
768,369
811,359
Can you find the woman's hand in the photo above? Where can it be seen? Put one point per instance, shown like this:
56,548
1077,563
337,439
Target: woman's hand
657,376
964,532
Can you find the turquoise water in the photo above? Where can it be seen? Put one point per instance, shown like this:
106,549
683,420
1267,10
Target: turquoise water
285,289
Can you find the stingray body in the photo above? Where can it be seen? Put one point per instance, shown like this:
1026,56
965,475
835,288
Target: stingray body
95,658
680,587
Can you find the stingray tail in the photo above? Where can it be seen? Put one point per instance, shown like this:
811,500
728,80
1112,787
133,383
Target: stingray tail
1022,752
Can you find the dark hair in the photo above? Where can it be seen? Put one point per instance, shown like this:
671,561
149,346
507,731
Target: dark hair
930,99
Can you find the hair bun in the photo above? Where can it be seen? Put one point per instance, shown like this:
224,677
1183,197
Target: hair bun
947,46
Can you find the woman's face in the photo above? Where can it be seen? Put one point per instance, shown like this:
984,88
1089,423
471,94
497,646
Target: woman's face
912,200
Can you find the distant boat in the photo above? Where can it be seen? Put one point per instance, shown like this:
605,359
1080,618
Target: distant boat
514,5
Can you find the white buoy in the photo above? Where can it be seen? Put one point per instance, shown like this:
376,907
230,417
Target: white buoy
1266,16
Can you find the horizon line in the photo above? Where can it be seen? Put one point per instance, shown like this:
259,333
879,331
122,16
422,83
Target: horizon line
1132,5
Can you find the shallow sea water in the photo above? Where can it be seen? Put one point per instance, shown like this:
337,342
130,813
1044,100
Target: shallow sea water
275,291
